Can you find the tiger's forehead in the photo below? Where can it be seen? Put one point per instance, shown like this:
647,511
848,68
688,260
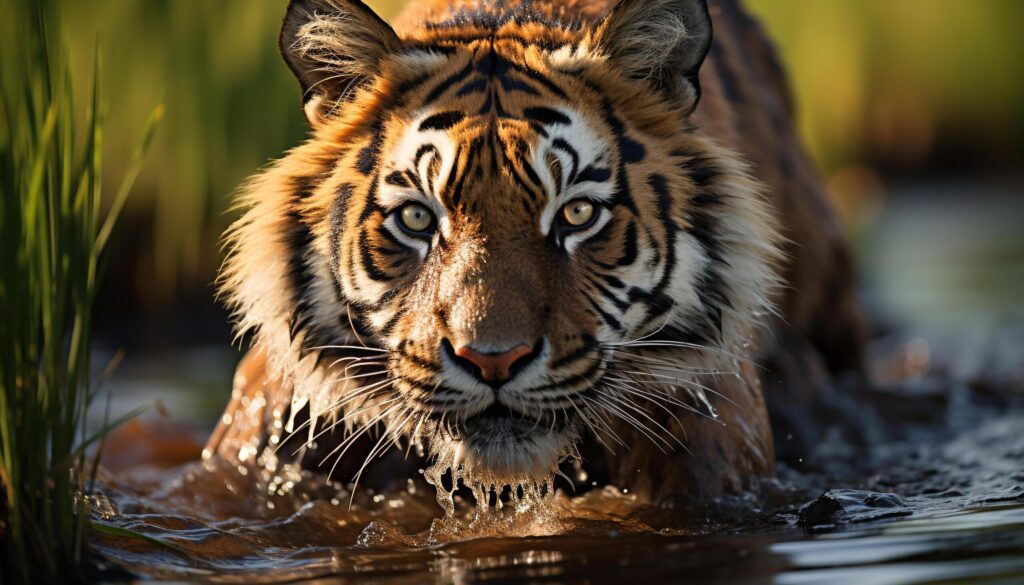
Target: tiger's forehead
537,159
485,77
493,134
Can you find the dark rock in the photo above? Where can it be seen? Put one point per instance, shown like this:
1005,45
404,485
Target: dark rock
848,506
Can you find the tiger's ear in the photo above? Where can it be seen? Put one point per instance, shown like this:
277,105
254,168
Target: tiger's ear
332,46
661,41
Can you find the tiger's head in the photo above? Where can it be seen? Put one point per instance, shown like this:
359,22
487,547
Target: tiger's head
496,218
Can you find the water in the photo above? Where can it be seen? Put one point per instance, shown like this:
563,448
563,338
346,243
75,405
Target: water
919,479
915,478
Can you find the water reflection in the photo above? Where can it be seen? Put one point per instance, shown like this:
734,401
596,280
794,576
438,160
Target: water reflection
941,431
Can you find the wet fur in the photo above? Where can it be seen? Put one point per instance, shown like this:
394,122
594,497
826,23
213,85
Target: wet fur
312,271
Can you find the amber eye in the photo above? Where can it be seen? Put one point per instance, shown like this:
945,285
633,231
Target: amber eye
416,218
579,213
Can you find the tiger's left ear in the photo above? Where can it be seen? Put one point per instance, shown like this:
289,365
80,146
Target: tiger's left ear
660,41
333,46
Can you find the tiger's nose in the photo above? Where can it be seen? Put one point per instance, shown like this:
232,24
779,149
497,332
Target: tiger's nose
495,367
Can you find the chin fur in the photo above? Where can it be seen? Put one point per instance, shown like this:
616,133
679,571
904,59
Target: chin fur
506,451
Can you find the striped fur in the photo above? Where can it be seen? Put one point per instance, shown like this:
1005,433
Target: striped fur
494,115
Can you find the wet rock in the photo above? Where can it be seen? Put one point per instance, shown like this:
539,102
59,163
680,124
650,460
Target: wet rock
836,507
1004,495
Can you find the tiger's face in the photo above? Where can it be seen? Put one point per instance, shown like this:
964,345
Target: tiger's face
492,251
498,210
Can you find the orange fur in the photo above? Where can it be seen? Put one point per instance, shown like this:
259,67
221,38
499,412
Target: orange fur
491,119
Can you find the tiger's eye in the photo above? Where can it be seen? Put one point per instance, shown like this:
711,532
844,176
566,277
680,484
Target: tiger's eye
416,218
579,212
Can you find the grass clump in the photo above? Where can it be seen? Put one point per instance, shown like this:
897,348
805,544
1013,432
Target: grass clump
53,231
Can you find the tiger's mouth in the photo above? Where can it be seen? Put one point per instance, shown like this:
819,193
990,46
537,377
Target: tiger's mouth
503,444
501,423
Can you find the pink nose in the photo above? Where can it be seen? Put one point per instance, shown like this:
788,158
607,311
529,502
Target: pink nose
494,367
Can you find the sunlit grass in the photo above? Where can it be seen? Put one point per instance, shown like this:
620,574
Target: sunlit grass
53,231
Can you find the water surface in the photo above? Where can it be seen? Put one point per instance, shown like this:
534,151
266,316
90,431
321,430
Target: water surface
919,478
916,477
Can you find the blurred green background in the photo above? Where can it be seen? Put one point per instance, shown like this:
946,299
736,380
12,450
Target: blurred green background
899,100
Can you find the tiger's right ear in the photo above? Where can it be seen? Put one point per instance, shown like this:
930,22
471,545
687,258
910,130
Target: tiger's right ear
333,46
663,42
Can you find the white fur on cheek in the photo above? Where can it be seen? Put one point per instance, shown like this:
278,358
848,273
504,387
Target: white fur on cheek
592,151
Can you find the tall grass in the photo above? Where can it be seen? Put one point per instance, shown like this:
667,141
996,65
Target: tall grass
53,232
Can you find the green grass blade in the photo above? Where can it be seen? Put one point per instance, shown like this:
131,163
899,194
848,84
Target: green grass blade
134,166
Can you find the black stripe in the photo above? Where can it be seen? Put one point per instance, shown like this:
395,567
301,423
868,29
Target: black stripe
546,116
442,121
407,89
567,148
453,174
518,178
585,376
623,196
630,250
355,319
621,305
540,78
420,153
419,361
474,150
366,255
531,174
391,238
298,240
702,229
700,169
446,50
608,319
337,217
486,108
584,350
424,387
471,87
384,299
388,327
492,20
511,85
613,281
415,180
710,285
660,187
657,306
371,206
631,150
397,179
596,175
433,168
448,82
368,156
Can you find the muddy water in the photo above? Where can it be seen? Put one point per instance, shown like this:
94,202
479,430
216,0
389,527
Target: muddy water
916,477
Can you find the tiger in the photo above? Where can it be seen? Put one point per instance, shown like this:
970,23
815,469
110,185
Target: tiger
527,236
